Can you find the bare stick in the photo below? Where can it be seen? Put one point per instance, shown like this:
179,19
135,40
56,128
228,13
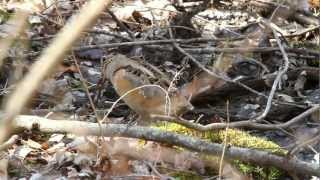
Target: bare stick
195,50
214,74
92,105
121,25
211,73
305,143
261,158
282,71
225,141
242,124
250,50
86,89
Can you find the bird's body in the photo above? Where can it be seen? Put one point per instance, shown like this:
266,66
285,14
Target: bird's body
126,75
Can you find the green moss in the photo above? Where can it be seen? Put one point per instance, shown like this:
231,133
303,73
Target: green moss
235,138
270,173
185,176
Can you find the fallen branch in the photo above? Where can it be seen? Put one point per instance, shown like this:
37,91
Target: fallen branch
199,50
251,50
311,54
282,71
261,158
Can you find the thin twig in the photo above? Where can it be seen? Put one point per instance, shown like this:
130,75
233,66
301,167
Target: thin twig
213,74
121,25
305,143
100,31
200,50
278,79
224,143
153,43
48,61
249,124
150,42
174,79
87,92
304,31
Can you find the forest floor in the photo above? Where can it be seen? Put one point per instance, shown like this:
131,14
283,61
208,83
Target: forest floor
159,89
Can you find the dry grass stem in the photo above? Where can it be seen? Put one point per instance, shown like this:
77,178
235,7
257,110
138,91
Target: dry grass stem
49,59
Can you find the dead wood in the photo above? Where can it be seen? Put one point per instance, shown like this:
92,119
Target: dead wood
247,155
213,93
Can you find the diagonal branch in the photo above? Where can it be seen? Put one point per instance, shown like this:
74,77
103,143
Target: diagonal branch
48,61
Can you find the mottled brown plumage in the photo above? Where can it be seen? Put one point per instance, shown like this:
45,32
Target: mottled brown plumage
126,74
